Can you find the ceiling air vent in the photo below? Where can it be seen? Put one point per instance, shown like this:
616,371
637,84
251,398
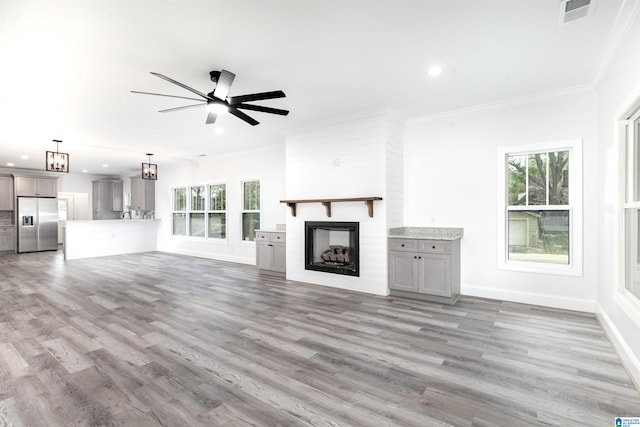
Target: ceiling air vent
570,10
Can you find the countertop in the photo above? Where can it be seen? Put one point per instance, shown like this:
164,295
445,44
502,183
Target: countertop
432,233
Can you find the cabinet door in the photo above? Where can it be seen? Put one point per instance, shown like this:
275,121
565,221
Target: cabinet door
264,255
6,194
137,193
7,239
46,187
117,196
436,279
279,257
25,186
404,271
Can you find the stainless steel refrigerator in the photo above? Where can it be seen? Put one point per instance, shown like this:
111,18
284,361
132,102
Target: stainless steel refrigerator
37,224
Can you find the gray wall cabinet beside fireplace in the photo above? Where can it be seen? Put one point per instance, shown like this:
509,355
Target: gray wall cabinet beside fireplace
271,250
425,269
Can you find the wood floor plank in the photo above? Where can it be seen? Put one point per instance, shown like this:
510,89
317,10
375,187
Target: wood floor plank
156,339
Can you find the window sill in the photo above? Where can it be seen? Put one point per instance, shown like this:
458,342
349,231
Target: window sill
541,268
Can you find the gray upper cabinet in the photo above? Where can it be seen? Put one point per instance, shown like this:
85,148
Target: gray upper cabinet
143,194
6,193
107,199
29,186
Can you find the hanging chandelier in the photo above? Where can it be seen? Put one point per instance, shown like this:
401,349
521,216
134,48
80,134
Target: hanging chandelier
149,170
57,161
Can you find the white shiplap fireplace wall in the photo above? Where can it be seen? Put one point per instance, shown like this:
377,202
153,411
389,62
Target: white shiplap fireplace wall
355,156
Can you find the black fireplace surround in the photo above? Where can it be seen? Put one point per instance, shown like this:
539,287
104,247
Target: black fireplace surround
332,247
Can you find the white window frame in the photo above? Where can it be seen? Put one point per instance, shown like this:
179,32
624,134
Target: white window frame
574,268
627,301
173,211
631,201
243,210
210,211
190,211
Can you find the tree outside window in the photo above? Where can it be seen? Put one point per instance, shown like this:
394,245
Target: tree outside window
538,210
217,216
250,209
179,215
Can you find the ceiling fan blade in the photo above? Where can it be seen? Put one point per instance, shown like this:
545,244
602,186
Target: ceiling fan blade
182,108
233,100
190,89
211,118
224,84
239,114
262,109
162,94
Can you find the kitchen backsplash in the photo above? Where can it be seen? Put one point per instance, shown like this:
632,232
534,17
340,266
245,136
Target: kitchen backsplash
6,217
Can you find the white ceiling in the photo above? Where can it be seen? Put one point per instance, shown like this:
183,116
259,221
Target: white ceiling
67,67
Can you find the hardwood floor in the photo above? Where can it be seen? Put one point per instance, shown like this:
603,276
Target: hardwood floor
164,340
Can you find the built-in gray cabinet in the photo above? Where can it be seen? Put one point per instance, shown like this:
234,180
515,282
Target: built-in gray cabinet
271,250
7,238
107,199
30,186
425,269
143,194
6,193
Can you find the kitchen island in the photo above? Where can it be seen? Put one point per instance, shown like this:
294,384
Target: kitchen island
94,238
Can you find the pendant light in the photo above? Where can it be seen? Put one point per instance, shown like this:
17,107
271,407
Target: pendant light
57,161
149,170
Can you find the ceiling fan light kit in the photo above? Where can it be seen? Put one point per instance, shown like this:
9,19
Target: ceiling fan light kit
218,102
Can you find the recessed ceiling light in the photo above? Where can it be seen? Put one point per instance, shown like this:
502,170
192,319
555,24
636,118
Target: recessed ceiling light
24,157
10,164
105,166
434,71
219,130
84,171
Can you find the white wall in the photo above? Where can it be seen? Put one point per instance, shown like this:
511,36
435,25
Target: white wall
451,174
268,164
347,157
619,315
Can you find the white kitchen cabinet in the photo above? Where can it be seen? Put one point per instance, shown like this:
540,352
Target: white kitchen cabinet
31,186
271,250
107,199
425,269
6,193
143,194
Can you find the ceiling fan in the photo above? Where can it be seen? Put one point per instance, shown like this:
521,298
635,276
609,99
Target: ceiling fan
218,102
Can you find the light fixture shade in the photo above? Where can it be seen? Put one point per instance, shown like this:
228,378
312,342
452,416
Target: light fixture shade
57,162
149,171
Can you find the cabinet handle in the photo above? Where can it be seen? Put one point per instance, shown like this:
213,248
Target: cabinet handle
269,244
402,245
433,247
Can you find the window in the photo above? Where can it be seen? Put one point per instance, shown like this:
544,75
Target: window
540,214
179,214
250,209
217,215
196,211
632,204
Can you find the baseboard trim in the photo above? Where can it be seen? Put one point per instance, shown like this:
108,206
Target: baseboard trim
208,255
575,304
629,360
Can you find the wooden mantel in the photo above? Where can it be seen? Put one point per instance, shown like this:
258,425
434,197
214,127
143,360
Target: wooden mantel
327,203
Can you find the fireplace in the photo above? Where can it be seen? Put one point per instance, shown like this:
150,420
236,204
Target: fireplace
332,247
